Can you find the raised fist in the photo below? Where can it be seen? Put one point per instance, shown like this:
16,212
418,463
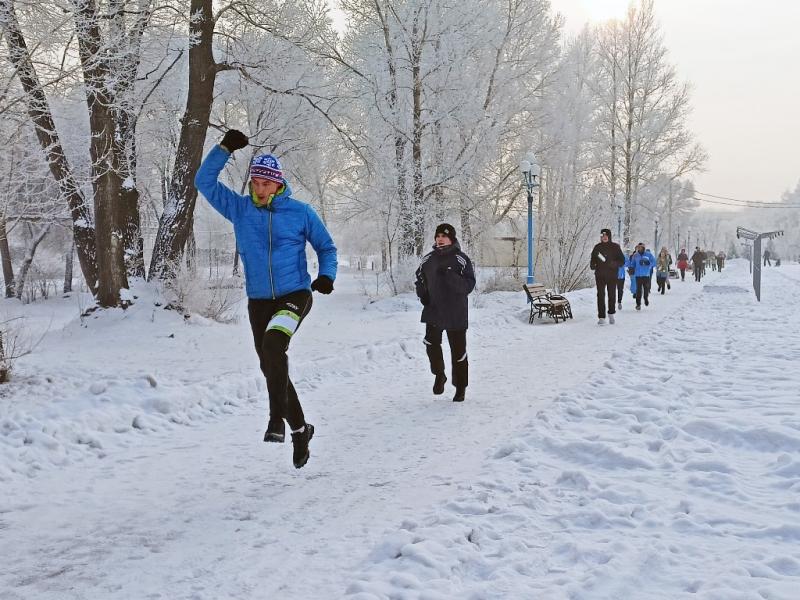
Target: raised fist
234,140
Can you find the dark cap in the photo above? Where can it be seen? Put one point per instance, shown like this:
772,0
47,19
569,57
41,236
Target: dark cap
446,229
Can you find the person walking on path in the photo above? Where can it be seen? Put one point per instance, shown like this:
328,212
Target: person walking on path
652,266
720,260
767,260
683,263
606,260
663,263
272,229
444,279
621,281
642,263
698,260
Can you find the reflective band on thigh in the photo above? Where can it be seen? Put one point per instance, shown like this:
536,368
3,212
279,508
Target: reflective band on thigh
463,358
284,321
426,342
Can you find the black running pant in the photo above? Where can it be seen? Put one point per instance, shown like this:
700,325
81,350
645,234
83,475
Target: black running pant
273,323
642,289
458,353
620,289
606,289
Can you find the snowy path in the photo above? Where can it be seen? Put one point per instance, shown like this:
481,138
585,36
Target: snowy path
208,511
673,472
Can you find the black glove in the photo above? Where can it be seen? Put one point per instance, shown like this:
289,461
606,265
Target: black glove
234,140
322,284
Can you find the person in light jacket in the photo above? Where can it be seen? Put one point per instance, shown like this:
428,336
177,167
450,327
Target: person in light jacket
663,263
642,264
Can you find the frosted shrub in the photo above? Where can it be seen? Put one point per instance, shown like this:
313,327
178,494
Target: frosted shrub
501,280
213,298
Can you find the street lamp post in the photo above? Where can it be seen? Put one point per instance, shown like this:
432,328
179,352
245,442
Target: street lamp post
655,238
530,175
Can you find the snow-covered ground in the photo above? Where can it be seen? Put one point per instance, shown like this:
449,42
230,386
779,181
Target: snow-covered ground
656,458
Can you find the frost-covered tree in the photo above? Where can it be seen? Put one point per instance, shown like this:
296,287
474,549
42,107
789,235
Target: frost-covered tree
643,111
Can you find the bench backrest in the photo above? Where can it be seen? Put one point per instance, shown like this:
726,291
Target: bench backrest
534,290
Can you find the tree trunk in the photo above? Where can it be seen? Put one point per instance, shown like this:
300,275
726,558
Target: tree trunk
42,119
417,200
127,46
406,249
26,263
68,268
107,152
4,368
5,256
175,223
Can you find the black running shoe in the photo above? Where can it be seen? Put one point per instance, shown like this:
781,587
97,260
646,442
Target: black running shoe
276,431
459,397
438,384
300,441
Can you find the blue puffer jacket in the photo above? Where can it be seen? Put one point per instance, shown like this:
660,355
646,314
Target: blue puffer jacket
623,268
642,264
271,241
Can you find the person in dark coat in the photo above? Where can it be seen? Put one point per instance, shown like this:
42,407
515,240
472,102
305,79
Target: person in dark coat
698,262
444,279
605,261
272,230
767,257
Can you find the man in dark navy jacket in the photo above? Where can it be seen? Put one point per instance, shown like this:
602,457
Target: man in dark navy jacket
605,261
444,279
272,230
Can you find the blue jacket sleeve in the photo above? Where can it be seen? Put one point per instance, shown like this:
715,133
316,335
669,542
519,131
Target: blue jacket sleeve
224,200
322,242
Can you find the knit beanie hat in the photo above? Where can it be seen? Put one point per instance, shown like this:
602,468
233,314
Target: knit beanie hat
267,167
446,229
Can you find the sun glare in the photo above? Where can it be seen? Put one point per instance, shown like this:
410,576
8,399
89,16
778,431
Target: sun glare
604,10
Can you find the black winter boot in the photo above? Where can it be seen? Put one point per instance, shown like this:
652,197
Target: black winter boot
276,431
459,397
438,384
300,441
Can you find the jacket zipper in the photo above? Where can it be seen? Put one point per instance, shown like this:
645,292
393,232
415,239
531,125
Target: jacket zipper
271,283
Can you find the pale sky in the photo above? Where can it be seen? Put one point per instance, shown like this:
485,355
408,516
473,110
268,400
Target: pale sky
743,61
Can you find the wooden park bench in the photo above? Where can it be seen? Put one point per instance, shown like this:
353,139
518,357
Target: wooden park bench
544,302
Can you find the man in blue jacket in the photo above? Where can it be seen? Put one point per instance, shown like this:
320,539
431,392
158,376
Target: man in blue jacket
272,230
642,263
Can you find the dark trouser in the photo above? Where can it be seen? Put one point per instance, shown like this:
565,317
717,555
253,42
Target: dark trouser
642,289
620,289
458,353
767,262
606,288
719,264
698,272
683,274
662,284
273,322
